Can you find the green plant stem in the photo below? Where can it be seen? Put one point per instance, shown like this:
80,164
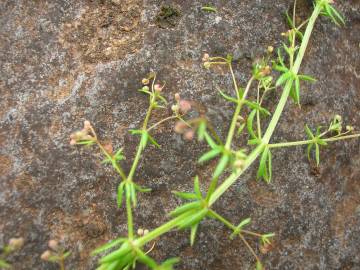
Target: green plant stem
297,143
62,264
162,121
237,111
140,148
129,216
168,226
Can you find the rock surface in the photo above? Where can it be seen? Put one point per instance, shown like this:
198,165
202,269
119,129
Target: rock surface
66,61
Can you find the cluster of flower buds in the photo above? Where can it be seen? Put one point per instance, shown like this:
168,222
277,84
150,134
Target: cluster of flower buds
182,106
15,243
142,232
270,49
184,129
336,124
86,134
54,248
206,59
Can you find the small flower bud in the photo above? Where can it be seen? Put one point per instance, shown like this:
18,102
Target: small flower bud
174,108
145,88
177,96
189,135
109,148
266,70
349,128
265,248
46,255
146,231
157,88
184,106
16,243
87,125
145,81
239,163
206,57
338,118
140,232
72,142
207,65
180,127
270,49
53,244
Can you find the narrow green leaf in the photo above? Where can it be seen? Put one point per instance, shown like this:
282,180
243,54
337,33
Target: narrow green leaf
193,233
210,141
337,15
186,195
111,244
201,131
210,155
209,9
307,78
197,187
133,194
194,219
123,250
297,90
283,78
249,124
256,106
308,132
317,154
141,189
309,148
152,141
184,208
269,166
120,193
228,98
221,166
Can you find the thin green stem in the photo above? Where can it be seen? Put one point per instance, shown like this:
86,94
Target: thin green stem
129,216
297,143
162,121
236,113
140,148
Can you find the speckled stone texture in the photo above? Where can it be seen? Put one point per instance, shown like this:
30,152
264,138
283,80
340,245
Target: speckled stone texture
66,61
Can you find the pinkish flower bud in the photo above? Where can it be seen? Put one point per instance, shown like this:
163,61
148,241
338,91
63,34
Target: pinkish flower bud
180,127
53,244
16,243
157,88
184,106
46,255
206,57
87,125
177,96
72,142
109,148
189,135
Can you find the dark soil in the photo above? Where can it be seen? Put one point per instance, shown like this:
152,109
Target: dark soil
66,61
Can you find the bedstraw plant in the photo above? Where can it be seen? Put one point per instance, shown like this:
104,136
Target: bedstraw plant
258,125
